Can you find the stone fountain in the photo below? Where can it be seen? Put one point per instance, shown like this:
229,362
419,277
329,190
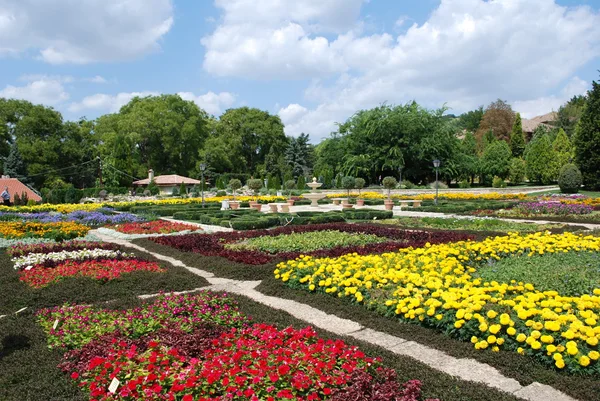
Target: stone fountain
314,196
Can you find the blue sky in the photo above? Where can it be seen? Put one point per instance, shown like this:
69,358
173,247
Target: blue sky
313,62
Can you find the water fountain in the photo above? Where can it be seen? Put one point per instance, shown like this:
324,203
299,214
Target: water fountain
314,196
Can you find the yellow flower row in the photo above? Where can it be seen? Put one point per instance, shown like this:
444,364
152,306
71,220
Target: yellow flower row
435,285
449,196
15,230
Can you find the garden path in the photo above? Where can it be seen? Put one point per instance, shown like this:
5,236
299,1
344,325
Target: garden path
463,368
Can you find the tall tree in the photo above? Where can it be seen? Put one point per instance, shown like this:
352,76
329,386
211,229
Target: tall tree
540,159
587,139
563,150
299,155
517,140
495,160
470,120
14,166
570,113
256,132
79,149
499,118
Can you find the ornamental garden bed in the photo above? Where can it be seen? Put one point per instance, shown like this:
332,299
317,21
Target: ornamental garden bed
200,344
148,229
97,218
259,247
438,288
476,224
36,275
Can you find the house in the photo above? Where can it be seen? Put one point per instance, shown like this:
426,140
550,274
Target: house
529,125
166,183
17,187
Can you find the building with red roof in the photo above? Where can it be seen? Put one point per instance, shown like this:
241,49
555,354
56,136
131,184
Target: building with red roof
17,187
166,183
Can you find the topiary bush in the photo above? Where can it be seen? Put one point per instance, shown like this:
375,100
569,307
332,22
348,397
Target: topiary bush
498,182
570,179
389,183
348,183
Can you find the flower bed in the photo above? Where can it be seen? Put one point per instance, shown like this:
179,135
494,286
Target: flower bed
477,224
55,231
41,265
552,208
435,286
215,244
96,218
155,227
210,351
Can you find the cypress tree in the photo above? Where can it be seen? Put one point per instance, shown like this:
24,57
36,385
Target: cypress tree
587,139
517,141
14,166
563,150
540,160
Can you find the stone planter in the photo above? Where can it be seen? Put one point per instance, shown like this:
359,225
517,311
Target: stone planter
234,205
273,207
360,202
346,205
389,204
252,203
336,201
290,202
285,208
257,206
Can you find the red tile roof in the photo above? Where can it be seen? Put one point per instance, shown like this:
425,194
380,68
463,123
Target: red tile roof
17,187
172,179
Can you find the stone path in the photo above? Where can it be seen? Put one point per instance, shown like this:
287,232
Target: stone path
462,368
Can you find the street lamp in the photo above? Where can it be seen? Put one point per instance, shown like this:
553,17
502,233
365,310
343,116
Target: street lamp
400,171
202,168
436,164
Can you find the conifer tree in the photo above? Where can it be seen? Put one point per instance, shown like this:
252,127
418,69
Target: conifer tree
587,139
14,166
517,140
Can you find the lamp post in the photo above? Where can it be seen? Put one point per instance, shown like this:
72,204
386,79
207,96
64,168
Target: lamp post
202,168
400,167
436,164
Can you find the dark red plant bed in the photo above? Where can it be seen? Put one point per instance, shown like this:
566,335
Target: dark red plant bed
214,244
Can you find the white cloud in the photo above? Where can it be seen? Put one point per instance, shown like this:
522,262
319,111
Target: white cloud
65,79
542,105
80,32
468,53
97,80
42,91
212,103
278,38
107,103
292,113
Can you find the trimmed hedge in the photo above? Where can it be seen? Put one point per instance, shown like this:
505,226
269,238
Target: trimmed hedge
16,294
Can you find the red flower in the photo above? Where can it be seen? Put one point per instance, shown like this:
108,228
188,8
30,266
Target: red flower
74,375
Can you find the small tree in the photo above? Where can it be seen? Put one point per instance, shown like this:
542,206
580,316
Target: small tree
496,160
570,179
175,191
348,183
338,182
517,140
359,184
153,188
289,185
234,184
540,160
24,198
389,183
255,185
563,150
517,170
301,183
16,200
182,189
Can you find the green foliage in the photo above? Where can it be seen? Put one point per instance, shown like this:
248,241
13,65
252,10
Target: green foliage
255,185
498,182
24,198
359,184
540,159
182,189
474,224
517,170
389,183
348,183
14,166
289,185
301,183
563,149
235,184
175,191
153,188
517,140
570,113
275,183
220,184
464,184
471,119
338,181
306,242
587,139
17,200
548,272
299,154
570,179
495,160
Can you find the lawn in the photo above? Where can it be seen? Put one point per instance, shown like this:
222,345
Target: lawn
475,224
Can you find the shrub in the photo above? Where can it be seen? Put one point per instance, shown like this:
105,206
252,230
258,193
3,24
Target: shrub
389,183
440,185
464,184
235,184
221,193
498,182
570,179
517,170
408,184
182,189
301,183
255,185
153,188
289,185
175,191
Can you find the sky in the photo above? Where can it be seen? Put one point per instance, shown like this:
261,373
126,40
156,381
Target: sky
312,62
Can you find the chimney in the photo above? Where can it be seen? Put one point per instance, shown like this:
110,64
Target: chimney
4,177
150,174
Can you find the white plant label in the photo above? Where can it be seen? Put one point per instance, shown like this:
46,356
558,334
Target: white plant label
114,384
56,323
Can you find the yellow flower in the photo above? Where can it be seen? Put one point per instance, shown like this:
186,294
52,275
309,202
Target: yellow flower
584,361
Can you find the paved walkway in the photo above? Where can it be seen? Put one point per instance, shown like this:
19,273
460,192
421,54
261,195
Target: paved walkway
463,368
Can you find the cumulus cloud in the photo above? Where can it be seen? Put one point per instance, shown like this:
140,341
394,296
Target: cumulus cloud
542,105
80,32
107,103
45,91
467,53
212,103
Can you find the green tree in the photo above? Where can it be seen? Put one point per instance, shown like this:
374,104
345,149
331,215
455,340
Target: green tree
540,159
517,140
469,160
301,183
587,139
153,188
299,155
495,160
563,150
359,184
470,120
79,149
569,114
517,172
14,166
234,184
182,189
389,183
348,183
